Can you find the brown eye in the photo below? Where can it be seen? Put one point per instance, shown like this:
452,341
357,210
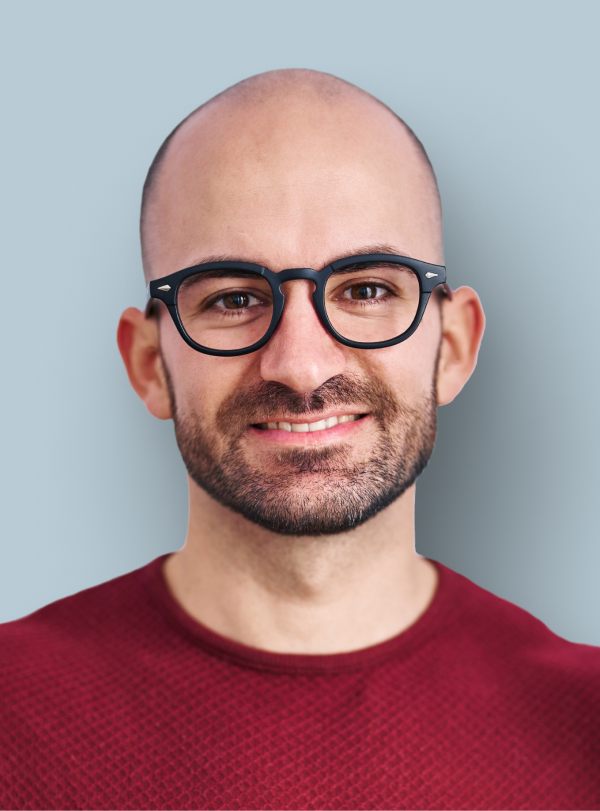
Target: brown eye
363,291
236,301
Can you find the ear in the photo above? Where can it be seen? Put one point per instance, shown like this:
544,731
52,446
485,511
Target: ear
138,340
463,323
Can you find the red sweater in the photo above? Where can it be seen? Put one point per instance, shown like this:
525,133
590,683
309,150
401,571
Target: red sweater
116,698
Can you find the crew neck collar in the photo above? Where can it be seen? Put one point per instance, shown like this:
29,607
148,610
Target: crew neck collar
415,637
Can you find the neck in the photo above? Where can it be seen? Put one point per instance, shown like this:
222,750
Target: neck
315,595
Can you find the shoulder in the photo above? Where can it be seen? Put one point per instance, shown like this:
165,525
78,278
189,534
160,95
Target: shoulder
72,633
508,642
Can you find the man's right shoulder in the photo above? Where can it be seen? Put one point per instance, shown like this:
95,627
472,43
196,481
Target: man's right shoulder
74,633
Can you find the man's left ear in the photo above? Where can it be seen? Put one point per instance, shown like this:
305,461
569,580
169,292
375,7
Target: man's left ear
463,323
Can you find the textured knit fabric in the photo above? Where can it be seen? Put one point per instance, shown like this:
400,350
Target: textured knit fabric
116,698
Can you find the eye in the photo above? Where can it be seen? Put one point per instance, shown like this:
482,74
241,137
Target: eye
364,291
237,300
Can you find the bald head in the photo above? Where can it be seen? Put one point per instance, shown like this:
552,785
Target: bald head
274,158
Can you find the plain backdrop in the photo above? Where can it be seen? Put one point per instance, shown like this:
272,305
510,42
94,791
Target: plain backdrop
504,96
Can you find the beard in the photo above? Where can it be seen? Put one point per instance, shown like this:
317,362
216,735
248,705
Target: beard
309,490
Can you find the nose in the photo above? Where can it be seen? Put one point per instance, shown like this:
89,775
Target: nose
301,354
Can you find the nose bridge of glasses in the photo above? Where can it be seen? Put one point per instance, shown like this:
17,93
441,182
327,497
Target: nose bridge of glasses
300,292
293,274
293,284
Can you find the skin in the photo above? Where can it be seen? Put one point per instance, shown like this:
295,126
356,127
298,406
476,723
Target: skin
287,175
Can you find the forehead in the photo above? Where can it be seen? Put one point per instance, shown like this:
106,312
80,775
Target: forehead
289,182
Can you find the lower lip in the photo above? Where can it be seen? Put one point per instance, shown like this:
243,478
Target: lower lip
279,437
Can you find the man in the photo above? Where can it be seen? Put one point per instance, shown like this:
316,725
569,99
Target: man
296,652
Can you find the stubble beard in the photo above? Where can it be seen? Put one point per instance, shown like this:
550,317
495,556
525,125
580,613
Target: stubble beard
311,490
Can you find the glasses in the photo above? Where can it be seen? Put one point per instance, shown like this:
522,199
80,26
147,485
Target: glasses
232,308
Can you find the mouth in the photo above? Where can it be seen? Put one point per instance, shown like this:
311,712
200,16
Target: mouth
308,426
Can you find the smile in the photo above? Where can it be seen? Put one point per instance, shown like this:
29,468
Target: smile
308,427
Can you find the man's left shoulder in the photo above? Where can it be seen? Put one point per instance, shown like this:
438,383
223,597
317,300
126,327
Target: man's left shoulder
516,644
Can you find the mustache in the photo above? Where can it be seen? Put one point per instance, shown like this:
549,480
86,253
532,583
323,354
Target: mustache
267,398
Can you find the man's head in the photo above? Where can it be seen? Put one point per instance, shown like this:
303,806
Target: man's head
296,169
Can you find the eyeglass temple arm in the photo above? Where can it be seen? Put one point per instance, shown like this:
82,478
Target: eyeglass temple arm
446,290
150,303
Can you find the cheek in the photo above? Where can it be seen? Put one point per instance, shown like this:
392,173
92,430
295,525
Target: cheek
201,382
408,368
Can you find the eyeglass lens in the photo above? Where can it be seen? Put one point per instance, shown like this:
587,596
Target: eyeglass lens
231,310
371,305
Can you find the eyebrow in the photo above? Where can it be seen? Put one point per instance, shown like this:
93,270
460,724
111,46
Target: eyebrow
359,251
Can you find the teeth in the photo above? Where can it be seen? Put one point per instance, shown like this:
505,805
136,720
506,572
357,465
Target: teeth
305,427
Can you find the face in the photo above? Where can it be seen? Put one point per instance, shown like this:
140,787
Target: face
305,436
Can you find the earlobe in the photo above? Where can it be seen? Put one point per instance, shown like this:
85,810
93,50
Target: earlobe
463,323
138,341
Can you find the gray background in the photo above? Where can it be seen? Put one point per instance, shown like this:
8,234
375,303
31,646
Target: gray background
505,98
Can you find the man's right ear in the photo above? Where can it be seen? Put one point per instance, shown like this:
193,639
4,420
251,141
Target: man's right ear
138,340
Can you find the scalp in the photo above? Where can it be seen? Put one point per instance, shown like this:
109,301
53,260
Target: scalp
272,125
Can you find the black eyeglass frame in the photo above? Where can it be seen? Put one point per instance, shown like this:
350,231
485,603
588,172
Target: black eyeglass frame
429,276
